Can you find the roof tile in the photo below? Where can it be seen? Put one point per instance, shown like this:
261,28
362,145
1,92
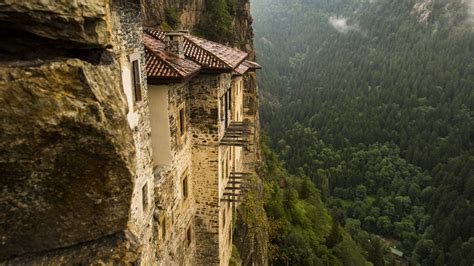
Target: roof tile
212,55
165,65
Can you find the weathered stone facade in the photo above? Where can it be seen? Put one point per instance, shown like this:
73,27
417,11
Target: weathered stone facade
206,91
198,156
173,179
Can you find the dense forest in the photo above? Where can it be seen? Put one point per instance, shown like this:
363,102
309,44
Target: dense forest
369,106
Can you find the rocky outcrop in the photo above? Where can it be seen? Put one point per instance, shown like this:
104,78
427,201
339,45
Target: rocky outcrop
423,9
70,176
65,155
190,13
81,21
125,249
243,28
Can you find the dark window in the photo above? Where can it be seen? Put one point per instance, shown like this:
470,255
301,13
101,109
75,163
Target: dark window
136,81
163,228
188,236
223,218
230,99
223,168
185,187
226,110
145,197
181,121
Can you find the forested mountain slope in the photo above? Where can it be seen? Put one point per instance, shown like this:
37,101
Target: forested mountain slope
373,101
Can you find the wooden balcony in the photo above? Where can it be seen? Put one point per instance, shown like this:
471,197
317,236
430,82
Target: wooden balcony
236,186
237,134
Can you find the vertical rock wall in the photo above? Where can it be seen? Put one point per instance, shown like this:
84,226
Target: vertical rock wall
66,173
190,13
71,166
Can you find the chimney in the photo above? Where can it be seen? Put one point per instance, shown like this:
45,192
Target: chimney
174,42
184,32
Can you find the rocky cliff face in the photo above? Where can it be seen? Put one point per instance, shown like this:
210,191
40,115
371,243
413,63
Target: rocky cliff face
190,13
82,21
66,149
60,150
428,11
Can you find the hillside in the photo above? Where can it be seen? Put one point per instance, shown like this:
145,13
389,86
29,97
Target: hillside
373,100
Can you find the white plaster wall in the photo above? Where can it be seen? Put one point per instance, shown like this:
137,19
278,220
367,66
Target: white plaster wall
179,212
160,126
127,83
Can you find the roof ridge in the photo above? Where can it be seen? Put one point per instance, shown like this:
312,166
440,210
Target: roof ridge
164,61
152,32
207,52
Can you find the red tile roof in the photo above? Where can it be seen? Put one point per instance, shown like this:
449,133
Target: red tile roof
240,70
212,55
162,66
160,35
246,66
252,65
209,55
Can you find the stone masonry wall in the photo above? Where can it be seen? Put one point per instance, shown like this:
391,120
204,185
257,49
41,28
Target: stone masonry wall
226,163
204,103
172,207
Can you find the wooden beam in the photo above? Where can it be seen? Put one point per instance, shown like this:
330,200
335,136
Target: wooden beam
232,200
231,194
234,182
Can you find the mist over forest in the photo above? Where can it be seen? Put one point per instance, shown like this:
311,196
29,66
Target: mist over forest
367,107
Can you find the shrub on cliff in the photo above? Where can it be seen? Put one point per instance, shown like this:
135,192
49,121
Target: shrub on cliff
216,24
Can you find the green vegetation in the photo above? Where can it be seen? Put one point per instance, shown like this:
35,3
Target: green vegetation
251,228
235,258
375,108
302,231
172,17
216,23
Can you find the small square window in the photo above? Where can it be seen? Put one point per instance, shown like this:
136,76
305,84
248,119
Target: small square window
145,197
